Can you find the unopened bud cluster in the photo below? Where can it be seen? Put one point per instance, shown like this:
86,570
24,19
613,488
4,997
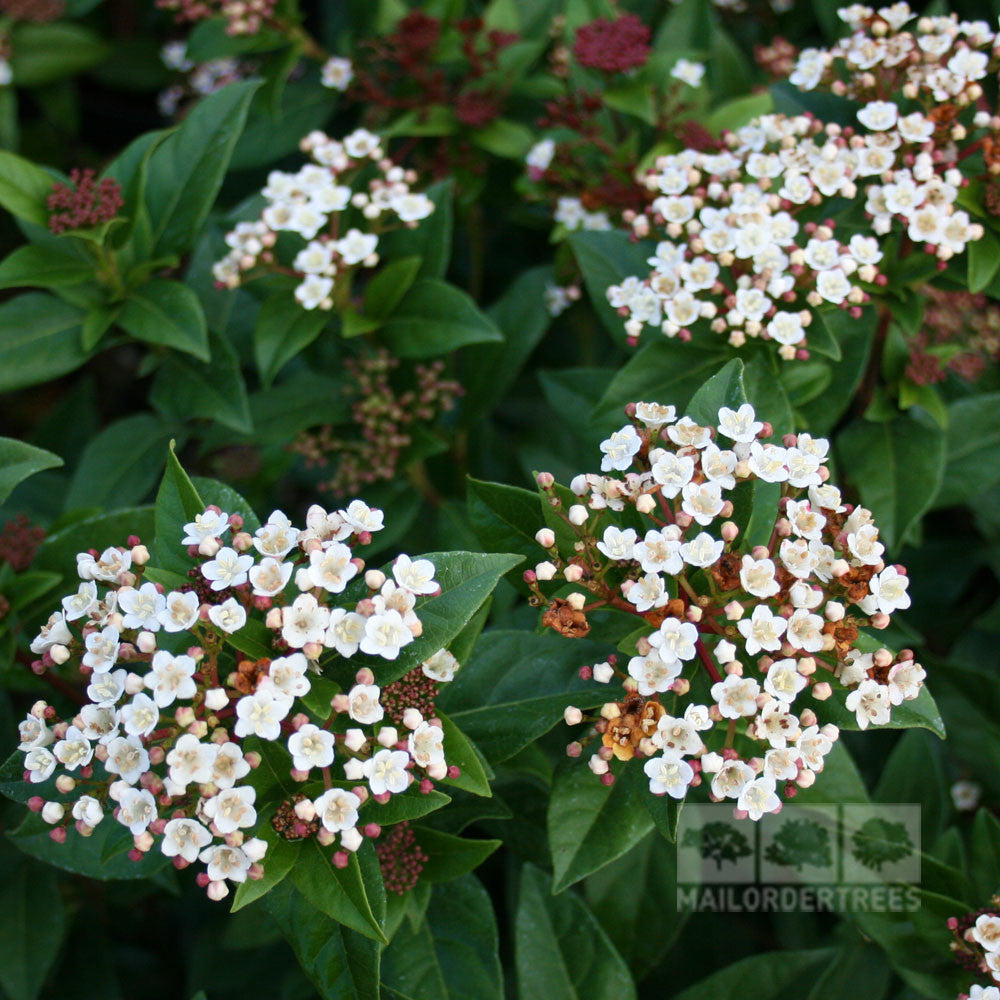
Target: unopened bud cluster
729,635
339,204
171,695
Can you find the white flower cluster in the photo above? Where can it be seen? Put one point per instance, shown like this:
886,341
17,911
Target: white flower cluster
747,631
937,60
978,941
170,698
734,254
571,214
319,203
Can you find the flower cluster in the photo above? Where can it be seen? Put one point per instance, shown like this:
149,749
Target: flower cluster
243,17
738,252
320,203
176,716
200,79
384,420
730,632
83,203
612,46
401,859
976,946
19,541
960,333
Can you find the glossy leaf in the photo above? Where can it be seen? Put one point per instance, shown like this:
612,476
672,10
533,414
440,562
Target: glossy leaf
18,461
167,313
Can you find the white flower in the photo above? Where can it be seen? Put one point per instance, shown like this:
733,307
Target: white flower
658,552
224,862
314,291
190,761
87,810
386,772
416,575
889,590
232,809
277,537
140,716
904,681
80,603
757,577
229,766
702,551
127,758
703,501
739,425
287,674
171,677
305,621
331,568
227,569
337,809
412,206
783,680
678,735
260,713
736,696
758,797
986,931
672,472
762,630
136,810
385,634
648,592
54,632
142,607
33,733
870,703
345,632
620,449
652,673
179,612
690,73
364,705
686,433
442,666
102,649
361,144
74,750
668,775
540,155
184,838
674,640
731,778
813,745
211,524
311,747
617,544
655,415
337,73
426,745
878,115
39,763
356,246
361,518
270,577
230,616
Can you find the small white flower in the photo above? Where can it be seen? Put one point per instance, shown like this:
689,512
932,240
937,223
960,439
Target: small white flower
620,449
362,518
691,73
385,634
762,630
739,425
136,810
232,809
311,747
171,677
870,703
702,551
102,649
227,569
127,758
364,705
668,775
180,611
441,667
415,575
337,809
211,524
337,73
270,576
80,604
184,838
889,590
87,810
190,761
230,616
142,607
736,696
783,680
306,620
386,772
426,745
224,862
758,797
260,714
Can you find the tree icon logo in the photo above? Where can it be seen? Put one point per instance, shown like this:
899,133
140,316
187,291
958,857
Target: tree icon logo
718,842
880,841
800,842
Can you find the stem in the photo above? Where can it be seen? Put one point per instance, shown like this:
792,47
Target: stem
869,382
730,734
706,661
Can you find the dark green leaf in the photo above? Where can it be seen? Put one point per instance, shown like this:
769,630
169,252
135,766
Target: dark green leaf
973,449
24,188
18,461
283,330
449,856
39,338
42,53
43,267
168,313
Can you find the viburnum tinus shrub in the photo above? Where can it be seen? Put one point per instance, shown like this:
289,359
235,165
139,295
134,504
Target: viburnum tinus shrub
253,699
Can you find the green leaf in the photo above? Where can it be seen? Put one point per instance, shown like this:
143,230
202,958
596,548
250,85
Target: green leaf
738,112
504,518
489,370
283,330
633,97
409,805
984,867
464,755
984,260
436,318
386,290
24,188
281,857
502,137
467,579
168,313
973,449
591,824
662,371
121,464
177,504
215,390
43,267
449,856
774,975
550,958
39,338
517,686
341,964
897,467
337,892
724,388
187,169
18,461
452,953
42,53
607,258
824,332
431,240
96,323
34,927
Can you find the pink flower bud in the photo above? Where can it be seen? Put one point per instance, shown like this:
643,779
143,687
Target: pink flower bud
822,691
545,537
217,891
545,480
365,676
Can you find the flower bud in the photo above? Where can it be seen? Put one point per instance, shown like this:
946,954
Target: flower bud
645,504
577,601
545,537
65,783
572,716
734,611
387,736
603,672
354,740
573,573
305,810
216,699
412,718
217,890
140,555
545,571
822,691
350,840
146,642
578,515
374,579
59,654
209,547
53,812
